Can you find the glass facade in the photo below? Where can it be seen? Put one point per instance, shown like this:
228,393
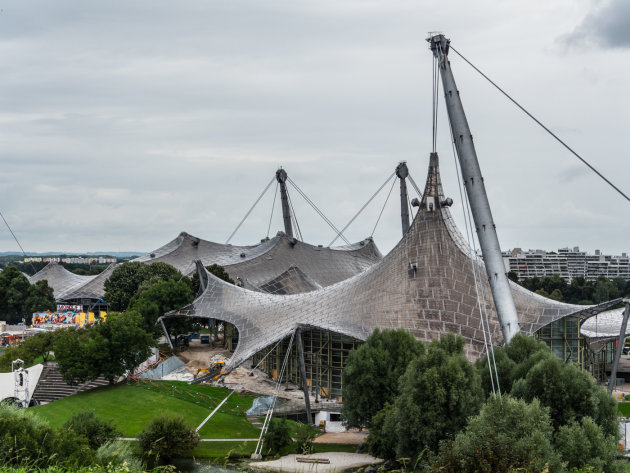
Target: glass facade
564,339
325,355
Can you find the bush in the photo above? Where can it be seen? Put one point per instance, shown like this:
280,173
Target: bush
278,436
370,378
508,435
569,393
584,445
118,455
167,437
95,430
439,391
304,436
28,440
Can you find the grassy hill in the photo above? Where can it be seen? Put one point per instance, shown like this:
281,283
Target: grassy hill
131,406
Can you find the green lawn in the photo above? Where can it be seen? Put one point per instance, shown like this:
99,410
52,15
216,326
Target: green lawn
130,407
624,408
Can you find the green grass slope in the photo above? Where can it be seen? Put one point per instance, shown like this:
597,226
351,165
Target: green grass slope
132,406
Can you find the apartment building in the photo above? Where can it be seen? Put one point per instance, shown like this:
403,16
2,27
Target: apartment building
569,263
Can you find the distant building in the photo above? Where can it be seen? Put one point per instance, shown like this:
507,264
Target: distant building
72,259
568,263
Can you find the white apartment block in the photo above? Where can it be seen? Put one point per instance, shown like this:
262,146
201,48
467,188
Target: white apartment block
566,262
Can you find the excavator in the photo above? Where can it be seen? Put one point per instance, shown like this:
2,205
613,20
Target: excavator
212,373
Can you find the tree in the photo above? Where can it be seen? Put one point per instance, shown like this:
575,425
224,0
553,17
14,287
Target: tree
583,444
38,345
28,440
438,392
167,437
220,272
126,279
95,430
13,291
119,345
569,393
39,297
110,349
382,439
513,361
508,435
370,378
216,269
278,436
158,299
71,353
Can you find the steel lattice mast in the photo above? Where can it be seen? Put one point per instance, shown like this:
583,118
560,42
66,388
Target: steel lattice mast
281,177
402,172
476,191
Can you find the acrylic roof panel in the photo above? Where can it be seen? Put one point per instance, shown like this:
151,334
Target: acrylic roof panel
184,250
60,279
256,265
92,289
322,266
438,296
292,281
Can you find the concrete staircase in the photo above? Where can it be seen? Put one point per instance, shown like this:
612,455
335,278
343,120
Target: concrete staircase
51,385
255,422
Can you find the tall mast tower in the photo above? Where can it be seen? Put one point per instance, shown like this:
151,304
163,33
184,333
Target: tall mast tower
476,191
281,177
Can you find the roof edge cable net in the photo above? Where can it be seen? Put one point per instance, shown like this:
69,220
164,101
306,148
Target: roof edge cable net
319,212
250,210
383,208
16,240
392,175
273,206
524,110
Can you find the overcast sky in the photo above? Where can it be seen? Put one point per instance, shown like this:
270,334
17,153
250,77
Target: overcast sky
123,123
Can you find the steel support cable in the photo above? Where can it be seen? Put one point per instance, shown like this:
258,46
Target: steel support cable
294,217
16,240
383,208
319,212
273,206
250,210
492,368
436,77
410,208
543,126
365,205
236,387
415,186
267,420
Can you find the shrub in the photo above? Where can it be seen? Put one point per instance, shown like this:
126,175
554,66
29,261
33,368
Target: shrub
167,437
28,440
95,430
117,455
304,436
584,445
439,391
278,436
508,435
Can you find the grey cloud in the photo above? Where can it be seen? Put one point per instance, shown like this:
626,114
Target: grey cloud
607,24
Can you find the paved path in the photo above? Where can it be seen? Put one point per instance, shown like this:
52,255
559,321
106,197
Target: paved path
338,462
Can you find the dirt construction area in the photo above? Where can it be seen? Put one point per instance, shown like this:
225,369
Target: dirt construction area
199,356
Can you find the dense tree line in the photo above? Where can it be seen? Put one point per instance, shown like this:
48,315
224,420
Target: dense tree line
578,291
19,299
445,413
33,267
